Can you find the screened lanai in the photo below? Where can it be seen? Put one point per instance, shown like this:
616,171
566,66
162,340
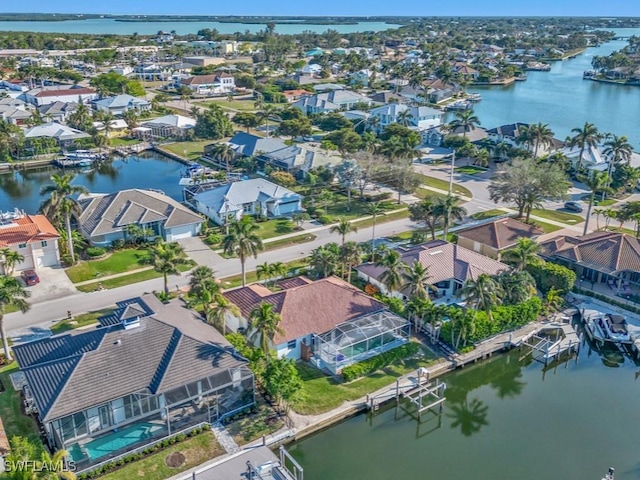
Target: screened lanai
361,338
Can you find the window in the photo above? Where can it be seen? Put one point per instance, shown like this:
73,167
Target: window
292,344
22,245
247,207
43,243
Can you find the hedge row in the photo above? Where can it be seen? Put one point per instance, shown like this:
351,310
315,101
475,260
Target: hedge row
361,369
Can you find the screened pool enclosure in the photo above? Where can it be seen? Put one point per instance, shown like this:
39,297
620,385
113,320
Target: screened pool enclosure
358,339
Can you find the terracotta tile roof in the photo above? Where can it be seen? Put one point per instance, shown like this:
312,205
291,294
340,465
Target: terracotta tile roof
500,234
444,261
603,251
27,229
314,307
69,91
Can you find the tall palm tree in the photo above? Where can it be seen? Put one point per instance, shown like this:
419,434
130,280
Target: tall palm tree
11,294
597,181
221,309
350,256
243,241
201,278
524,253
223,152
60,206
483,293
268,112
541,135
394,267
465,119
517,286
374,209
10,258
416,281
449,210
278,270
405,117
619,150
586,136
344,228
265,325
166,259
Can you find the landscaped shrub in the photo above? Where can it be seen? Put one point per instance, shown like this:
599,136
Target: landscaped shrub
325,219
551,275
361,369
94,252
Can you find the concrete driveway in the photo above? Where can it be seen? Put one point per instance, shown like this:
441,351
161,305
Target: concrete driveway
54,283
199,252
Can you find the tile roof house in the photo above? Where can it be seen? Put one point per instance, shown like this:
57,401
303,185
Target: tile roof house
331,101
119,104
601,257
450,266
60,93
169,126
63,134
32,236
311,310
101,392
493,238
105,217
247,197
248,145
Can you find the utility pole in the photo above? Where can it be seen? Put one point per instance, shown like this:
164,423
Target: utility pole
453,162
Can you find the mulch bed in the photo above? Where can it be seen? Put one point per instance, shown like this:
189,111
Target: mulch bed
175,460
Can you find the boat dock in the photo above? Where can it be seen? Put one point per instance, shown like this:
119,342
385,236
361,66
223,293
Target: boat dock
544,348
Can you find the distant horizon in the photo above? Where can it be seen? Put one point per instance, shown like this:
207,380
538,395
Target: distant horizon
339,8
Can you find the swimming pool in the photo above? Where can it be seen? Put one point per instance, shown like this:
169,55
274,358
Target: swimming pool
113,442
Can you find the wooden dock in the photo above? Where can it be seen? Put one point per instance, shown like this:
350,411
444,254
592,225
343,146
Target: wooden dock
545,349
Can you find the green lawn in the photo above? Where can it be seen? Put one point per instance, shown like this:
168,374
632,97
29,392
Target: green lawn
402,236
236,280
15,423
275,227
193,149
81,320
322,393
557,216
240,105
117,262
196,450
123,141
338,208
383,218
469,170
253,426
607,202
444,185
424,193
286,242
546,227
488,214
128,279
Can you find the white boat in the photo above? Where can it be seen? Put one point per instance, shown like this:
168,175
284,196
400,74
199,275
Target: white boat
606,327
83,155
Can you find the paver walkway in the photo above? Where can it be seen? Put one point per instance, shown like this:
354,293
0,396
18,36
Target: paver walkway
224,439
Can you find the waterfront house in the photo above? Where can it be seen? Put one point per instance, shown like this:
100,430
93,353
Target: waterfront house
508,133
593,158
217,83
106,217
331,101
493,238
60,93
63,134
169,126
420,118
119,104
437,90
58,111
327,321
149,370
450,266
32,236
600,258
247,197
247,145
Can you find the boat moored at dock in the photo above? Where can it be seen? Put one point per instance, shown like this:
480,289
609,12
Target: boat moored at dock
606,327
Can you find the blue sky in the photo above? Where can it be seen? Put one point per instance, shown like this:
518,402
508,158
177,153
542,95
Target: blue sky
336,7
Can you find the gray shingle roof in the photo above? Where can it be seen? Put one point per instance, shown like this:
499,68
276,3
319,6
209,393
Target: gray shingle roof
107,213
171,348
247,144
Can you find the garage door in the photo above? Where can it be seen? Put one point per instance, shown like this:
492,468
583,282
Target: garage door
180,232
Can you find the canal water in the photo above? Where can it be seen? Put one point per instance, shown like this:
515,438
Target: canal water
564,100
508,418
21,188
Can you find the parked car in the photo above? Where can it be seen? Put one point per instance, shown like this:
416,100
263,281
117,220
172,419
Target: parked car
30,277
573,206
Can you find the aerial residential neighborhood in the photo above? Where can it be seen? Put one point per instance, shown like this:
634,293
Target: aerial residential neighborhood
216,241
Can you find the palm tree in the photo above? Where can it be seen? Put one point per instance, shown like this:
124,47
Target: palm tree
60,206
344,228
166,259
541,135
278,270
11,294
501,150
405,117
417,309
374,209
597,181
201,279
517,286
619,150
465,119
585,136
449,210
10,259
265,324
243,241
394,267
223,152
350,255
524,253
416,281
483,293
267,113
264,271
45,462
324,260
220,310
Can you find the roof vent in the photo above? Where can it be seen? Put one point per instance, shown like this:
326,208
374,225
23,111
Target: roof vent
118,342
436,252
130,323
